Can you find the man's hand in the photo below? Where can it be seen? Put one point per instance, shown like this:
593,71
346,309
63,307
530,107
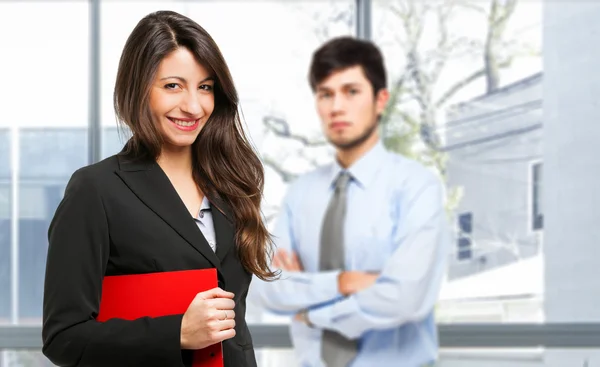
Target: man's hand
302,317
285,261
350,282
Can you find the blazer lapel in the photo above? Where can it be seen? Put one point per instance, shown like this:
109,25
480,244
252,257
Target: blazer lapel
152,186
224,228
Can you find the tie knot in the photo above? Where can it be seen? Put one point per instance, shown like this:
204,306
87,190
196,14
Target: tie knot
342,181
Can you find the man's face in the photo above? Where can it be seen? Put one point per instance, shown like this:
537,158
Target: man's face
348,108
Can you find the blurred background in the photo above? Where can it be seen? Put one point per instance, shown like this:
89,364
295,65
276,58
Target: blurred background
499,97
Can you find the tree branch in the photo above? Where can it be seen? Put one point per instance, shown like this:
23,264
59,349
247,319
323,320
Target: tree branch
281,128
497,20
443,12
506,11
470,5
466,81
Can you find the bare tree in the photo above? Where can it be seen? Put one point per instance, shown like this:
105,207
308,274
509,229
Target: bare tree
419,82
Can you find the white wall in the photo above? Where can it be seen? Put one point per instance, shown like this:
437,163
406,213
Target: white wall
572,175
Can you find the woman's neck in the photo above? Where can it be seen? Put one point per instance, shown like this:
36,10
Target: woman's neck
176,162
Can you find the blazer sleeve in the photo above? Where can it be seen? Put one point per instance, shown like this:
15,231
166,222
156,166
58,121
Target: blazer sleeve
78,254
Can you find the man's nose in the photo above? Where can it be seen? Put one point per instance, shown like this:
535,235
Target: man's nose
338,103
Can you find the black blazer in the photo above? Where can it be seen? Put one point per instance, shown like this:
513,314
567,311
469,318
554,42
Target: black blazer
124,217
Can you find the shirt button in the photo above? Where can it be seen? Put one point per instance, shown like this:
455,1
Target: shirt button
201,214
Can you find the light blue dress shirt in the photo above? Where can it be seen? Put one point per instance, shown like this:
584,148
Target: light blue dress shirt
204,221
395,225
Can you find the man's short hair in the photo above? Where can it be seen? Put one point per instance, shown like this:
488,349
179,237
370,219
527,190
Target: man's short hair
343,52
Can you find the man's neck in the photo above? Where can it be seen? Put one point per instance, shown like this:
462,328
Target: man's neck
347,157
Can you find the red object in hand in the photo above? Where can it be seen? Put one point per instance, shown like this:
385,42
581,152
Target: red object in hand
133,296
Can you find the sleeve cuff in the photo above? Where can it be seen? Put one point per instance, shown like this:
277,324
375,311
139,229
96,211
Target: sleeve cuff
329,284
320,317
168,340
336,316
320,287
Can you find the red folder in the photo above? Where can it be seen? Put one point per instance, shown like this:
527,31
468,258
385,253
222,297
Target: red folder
159,294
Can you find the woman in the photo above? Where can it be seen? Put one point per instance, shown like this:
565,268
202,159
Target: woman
183,194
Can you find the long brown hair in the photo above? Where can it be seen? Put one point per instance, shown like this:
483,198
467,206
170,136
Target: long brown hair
225,166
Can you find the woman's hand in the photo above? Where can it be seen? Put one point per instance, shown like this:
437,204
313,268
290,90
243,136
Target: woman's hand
208,320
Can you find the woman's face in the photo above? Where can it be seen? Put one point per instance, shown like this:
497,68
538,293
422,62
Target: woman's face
181,99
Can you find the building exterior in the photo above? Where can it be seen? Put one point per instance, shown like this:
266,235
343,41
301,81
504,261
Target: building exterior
494,146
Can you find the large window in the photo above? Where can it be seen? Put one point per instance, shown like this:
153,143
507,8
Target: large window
469,99
43,138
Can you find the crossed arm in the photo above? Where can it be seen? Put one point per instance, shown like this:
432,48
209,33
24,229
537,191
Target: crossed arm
352,303
298,290
348,282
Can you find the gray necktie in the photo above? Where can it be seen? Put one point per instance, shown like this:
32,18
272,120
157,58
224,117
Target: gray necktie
337,350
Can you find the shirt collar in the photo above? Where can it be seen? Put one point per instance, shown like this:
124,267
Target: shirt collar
204,206
364,169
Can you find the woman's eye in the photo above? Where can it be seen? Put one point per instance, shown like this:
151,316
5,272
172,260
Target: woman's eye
171,86
206,87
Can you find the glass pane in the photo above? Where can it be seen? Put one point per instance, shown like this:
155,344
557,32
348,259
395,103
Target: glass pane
43,138
469,107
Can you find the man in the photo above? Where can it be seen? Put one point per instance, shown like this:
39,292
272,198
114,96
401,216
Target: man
362,243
